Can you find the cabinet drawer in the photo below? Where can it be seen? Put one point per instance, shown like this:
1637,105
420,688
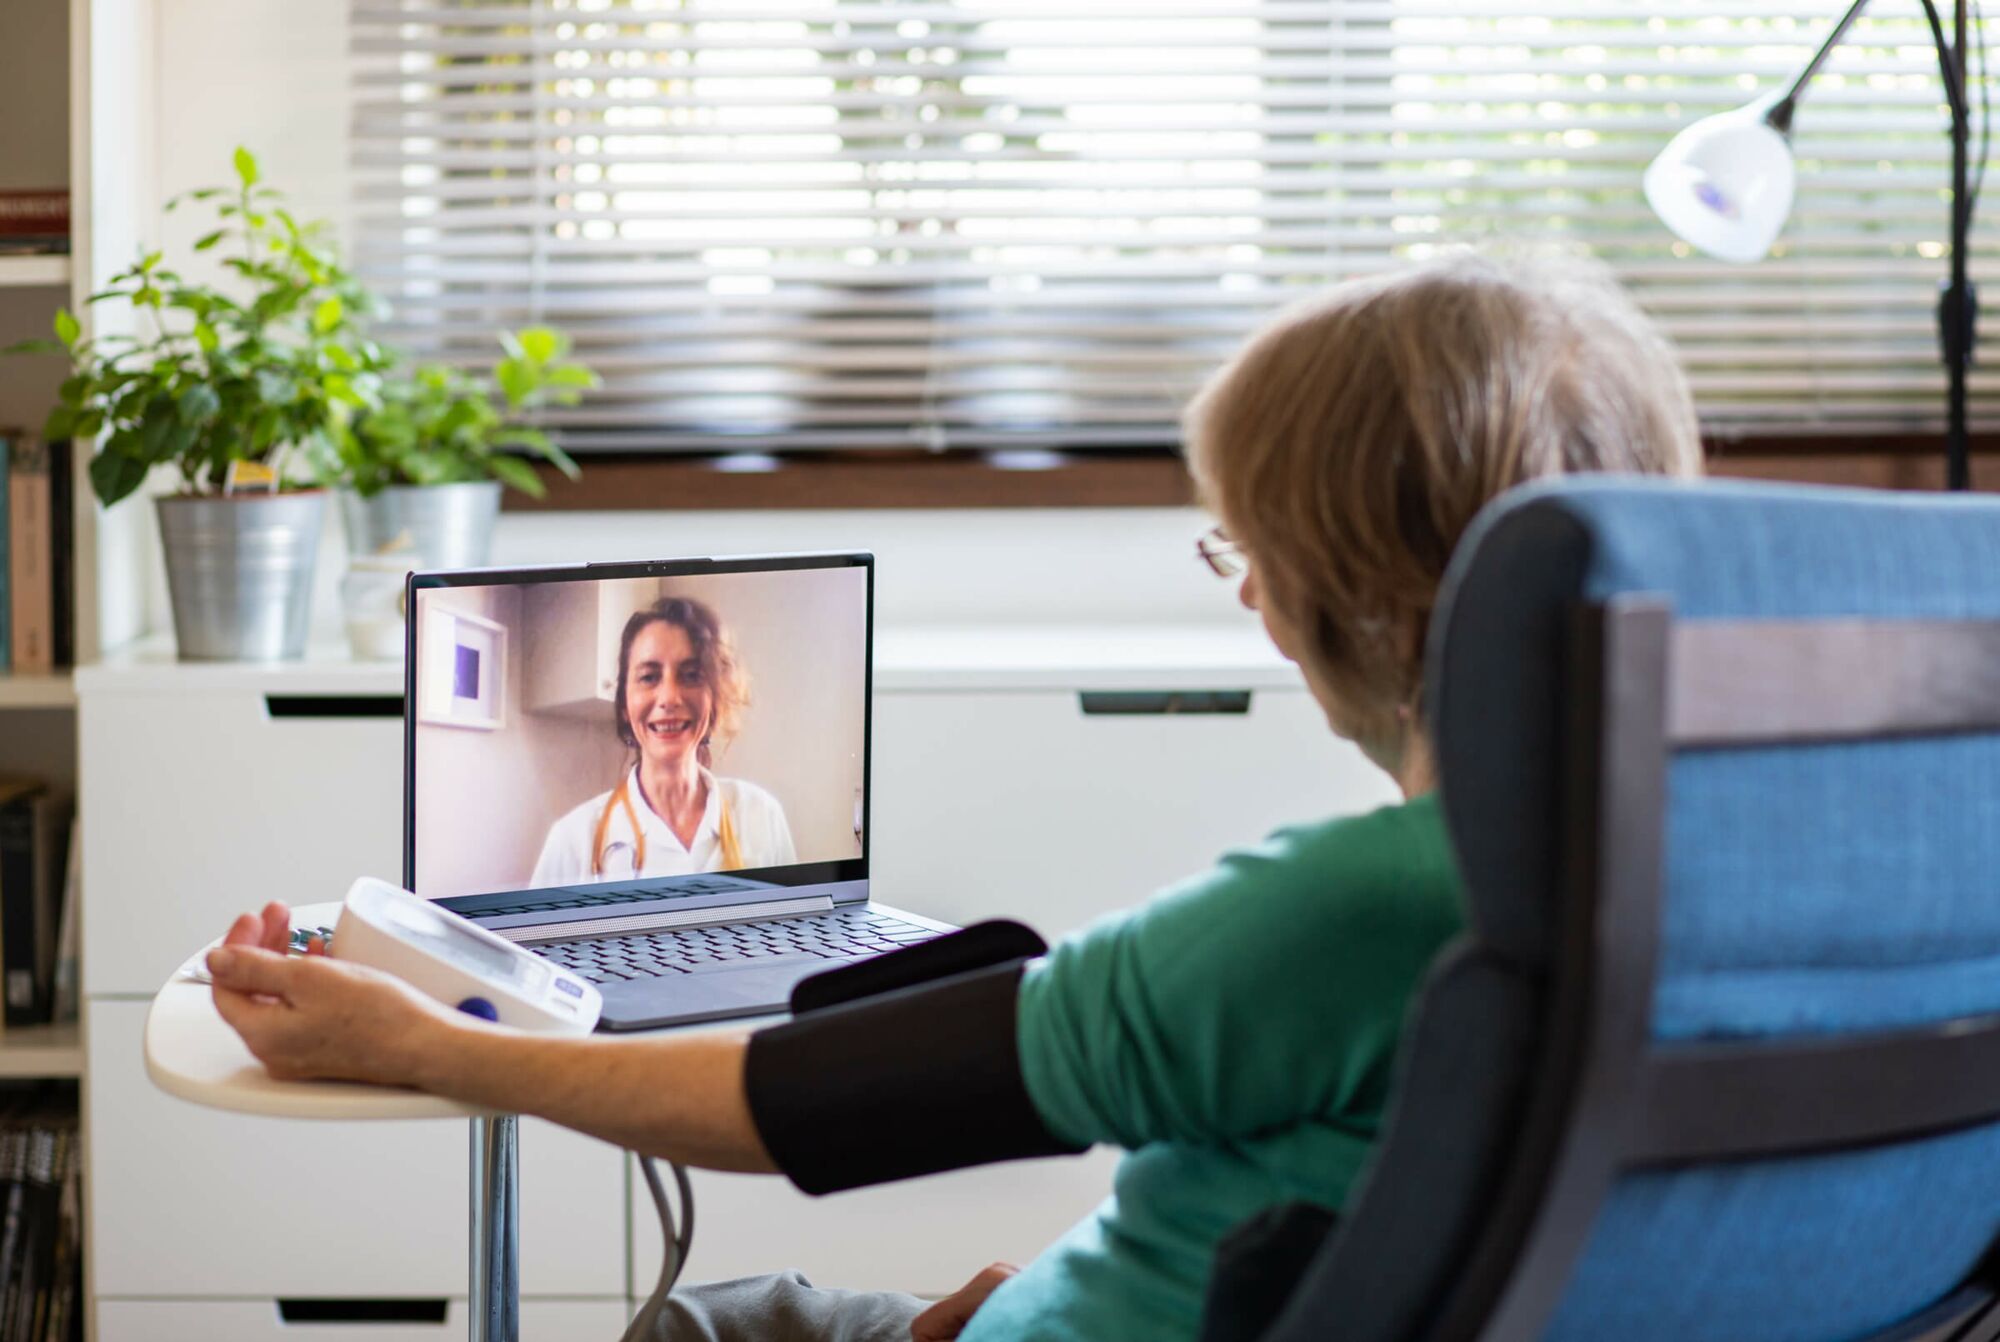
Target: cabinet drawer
202,804
188,1201
926,1236
262,1321
1024,805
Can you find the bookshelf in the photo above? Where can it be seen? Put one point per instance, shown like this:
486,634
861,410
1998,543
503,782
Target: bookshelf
37,711
46,91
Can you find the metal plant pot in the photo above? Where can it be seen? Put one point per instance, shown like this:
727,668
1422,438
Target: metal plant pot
441,526
240,572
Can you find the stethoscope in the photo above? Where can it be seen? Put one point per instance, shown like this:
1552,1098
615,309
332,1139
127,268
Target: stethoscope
621,798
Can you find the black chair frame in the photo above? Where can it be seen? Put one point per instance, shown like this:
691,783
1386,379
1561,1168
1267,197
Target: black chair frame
1606,1097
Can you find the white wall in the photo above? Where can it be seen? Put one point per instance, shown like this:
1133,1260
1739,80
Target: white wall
271,74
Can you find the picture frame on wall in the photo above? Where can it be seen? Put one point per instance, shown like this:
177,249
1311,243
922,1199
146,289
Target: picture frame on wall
463,676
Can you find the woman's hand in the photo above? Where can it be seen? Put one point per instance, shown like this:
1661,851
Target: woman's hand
313,1017
947,1318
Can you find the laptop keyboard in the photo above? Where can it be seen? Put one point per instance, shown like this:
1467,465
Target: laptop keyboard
843,934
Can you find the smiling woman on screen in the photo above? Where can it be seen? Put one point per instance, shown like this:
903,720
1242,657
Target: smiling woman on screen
680,687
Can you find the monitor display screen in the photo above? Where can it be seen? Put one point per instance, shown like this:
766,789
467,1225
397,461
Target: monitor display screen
422,926
646,730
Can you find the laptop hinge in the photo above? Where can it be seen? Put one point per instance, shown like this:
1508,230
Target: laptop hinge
666,920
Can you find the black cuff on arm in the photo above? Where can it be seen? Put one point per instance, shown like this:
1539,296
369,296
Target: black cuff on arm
891,1087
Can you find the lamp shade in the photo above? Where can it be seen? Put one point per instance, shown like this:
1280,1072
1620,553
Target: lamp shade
1724,184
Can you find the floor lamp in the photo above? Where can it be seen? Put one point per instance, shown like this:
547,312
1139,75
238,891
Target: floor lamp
1724,185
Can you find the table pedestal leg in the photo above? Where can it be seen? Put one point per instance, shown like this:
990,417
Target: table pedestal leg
495,1303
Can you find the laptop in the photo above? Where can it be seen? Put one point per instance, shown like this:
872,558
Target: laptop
654,774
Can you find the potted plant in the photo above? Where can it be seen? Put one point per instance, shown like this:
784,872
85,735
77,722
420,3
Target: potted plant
224,386
423,464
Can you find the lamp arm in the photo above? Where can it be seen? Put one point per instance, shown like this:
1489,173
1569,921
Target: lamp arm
1780,114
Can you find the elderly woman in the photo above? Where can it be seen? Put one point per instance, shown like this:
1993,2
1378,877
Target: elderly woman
680,688
1235,1034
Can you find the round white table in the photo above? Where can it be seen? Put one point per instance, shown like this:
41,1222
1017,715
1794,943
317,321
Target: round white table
192,1053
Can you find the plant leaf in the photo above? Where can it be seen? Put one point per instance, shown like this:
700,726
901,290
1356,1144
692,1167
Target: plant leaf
539,344
68,329
571,375
198,403
327,315
517,473
517,381
208,240
113,475
246,166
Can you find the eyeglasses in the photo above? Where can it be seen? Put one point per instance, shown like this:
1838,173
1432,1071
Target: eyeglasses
1224,557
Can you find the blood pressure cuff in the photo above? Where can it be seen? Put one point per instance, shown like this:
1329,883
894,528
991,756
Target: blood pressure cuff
907,1082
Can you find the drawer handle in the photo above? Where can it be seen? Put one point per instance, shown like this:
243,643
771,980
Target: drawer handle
334,705
1157,703
361,1311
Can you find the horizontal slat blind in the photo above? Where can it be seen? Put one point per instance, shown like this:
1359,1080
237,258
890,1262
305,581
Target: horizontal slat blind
826,223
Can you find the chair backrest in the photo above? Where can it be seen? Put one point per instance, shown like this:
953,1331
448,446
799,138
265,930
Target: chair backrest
1719,1056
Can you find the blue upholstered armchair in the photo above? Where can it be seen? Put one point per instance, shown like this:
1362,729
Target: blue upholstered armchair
1719,1059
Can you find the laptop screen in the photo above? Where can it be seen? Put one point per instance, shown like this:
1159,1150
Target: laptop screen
695,730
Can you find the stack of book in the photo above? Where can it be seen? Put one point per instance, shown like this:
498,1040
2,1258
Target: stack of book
41,1264
37,534
38,932
34,222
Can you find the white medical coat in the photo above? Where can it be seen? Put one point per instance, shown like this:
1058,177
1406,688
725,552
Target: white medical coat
762,835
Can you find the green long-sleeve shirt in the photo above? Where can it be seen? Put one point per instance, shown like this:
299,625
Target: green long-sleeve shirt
1235,1036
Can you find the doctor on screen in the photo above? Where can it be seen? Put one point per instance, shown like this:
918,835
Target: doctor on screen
679,689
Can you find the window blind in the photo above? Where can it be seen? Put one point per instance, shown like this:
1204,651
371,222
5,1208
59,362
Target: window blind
779,224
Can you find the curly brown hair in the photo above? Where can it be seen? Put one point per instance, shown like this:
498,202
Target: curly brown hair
727,682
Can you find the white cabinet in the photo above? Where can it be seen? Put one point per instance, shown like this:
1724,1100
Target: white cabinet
191,1202
273,1320
210,791
990,802
927,1236
999,790
572,668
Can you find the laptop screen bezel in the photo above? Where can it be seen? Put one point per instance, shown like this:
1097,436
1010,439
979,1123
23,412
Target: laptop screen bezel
847,878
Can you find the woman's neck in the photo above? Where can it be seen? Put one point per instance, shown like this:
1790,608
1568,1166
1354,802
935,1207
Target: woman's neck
1407,760
674,792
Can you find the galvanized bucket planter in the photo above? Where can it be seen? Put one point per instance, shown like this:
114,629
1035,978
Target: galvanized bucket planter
440,526
240,572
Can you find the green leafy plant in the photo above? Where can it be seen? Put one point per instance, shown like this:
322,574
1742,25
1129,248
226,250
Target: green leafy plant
260,374
438,425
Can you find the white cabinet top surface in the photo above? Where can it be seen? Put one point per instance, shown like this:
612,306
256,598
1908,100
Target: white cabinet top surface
987,657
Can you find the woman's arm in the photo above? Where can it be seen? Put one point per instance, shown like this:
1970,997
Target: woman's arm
680,1097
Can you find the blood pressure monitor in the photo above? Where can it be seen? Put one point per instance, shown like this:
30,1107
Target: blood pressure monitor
460,963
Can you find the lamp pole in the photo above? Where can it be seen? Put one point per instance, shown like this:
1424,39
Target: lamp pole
1959,309
1958,305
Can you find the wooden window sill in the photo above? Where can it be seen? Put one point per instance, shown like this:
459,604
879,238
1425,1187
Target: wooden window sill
1150,479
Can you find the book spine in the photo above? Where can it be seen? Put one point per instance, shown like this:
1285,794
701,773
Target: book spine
13,1206
17,913
54,816
31,598
37,1228
63,989
6,556
62,566
34,213
64,1319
